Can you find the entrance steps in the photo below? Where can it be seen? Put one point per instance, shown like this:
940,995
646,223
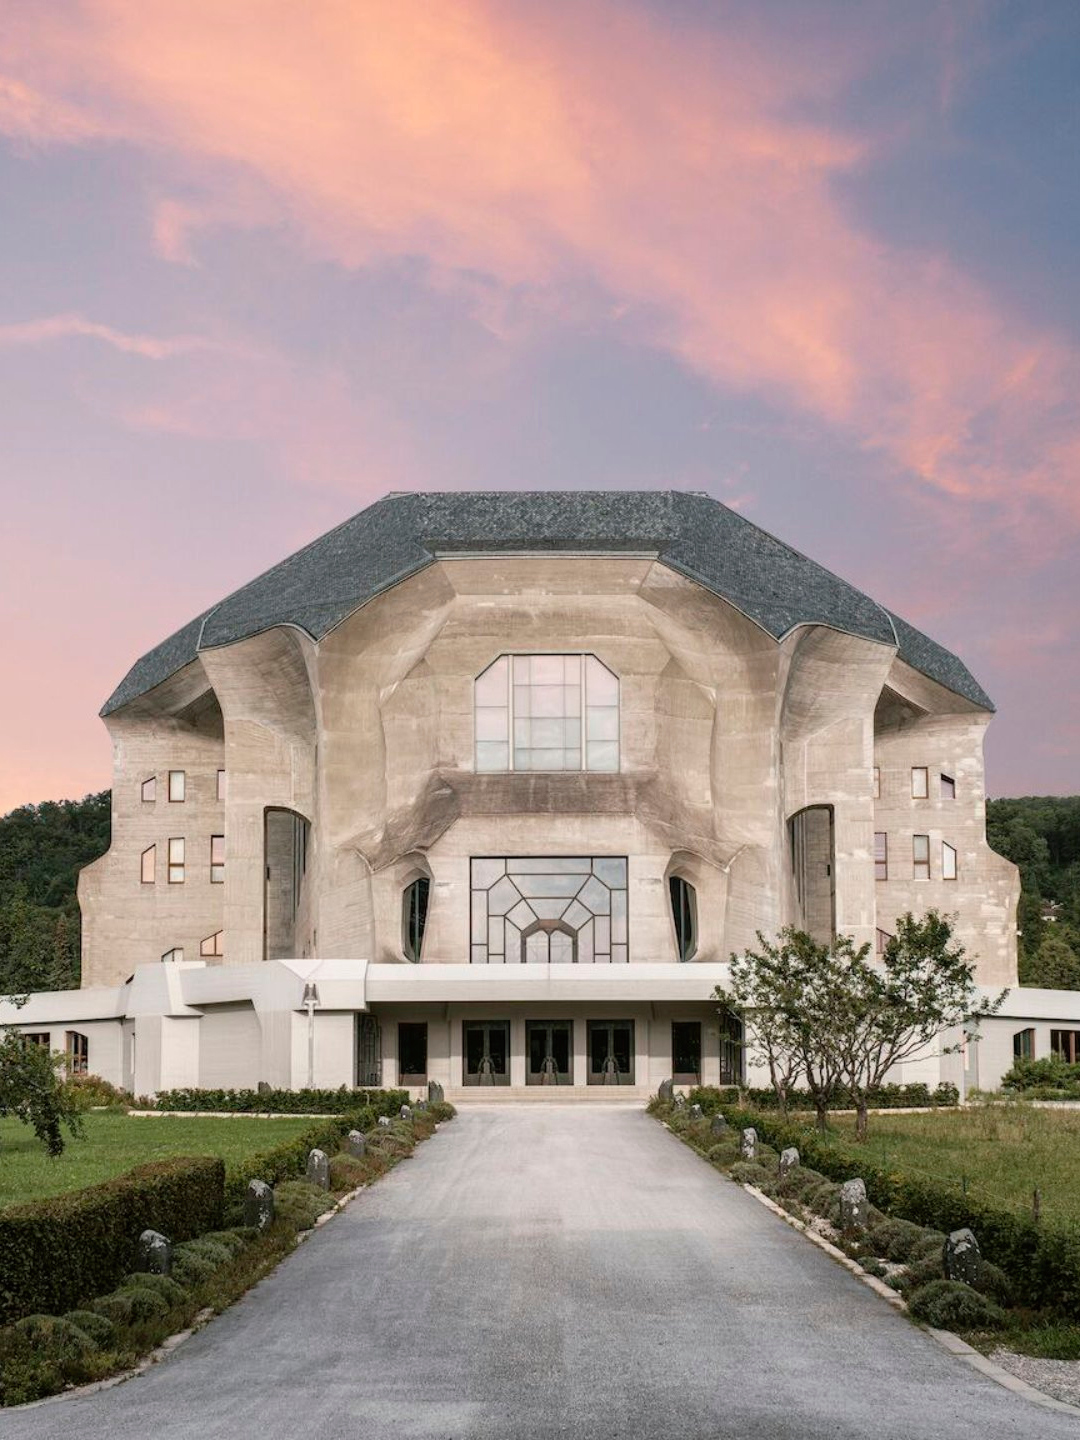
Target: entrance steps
546,1094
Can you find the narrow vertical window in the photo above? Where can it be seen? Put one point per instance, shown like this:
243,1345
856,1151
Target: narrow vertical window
920,782
177,785
148,866
176,860
920,851
881,941
877,782
1024,1044
78,1053
221,784
948,787
414,908
149,790
948,861
217,859
881,855
684,914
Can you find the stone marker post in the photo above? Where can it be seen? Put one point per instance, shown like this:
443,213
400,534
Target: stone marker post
962,1258
719,1125
318,1169
384,1121
406,1112
154,1253
355,1144
749,1143
695,1112
789,1158
666,1091
435,1093
854,1206
258,1205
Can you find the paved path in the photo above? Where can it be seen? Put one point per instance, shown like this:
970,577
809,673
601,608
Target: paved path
549,1271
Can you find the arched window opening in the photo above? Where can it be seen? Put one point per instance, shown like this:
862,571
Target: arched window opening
684,914
548,942
547,713
414,908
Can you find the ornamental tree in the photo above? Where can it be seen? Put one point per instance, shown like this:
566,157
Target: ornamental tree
32,1090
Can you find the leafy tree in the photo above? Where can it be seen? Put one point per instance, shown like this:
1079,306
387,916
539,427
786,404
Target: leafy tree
1056,963
31,1089
1041,835
887,1013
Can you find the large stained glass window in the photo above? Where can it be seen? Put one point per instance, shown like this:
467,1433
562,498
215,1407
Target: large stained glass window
547,712
544,909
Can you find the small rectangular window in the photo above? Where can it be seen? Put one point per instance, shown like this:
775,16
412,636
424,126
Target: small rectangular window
149,790
176,861
175,955
877,782
920,782
177,785
920,849
78,1053
1024,1044
881,940
217,859
213,945
221,784
948,787
881,855
1066,1045
41,1038
148,866
948,861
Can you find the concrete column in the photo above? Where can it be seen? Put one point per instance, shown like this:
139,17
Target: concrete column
581,1056
517,1051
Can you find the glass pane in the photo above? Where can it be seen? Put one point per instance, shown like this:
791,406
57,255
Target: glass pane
571,700
492,724
561,948
479,917
522,669
603,724
602,687
550,865
522,915
491,756
585,944
566,885
547,670
522,700
491,686
498,1047
502,896
618,955
547,700
612,870
618,916
547,734
485,872
536,948
495,937
602,755
603,936
549,909
596,896
176,784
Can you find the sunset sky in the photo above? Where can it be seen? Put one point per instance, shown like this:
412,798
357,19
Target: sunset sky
263,261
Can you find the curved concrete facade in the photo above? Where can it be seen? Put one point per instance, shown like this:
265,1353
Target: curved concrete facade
756,768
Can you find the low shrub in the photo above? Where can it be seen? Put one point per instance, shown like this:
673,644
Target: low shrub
116,1307
57,1336
97,1327
299,1204
886,1097
55,1253
287,1160
169,1290
896,1240
91,1091
347,1172
951,1305
190,1270
441,1110
343,1101
748,1172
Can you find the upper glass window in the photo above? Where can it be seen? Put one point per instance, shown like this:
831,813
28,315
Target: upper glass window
547,712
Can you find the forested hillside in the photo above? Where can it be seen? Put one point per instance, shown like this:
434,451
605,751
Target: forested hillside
42,849
1041,834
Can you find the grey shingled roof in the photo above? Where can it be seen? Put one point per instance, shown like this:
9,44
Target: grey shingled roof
772,584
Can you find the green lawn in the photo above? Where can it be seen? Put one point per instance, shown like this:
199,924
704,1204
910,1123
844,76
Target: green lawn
1002,1152
114,1143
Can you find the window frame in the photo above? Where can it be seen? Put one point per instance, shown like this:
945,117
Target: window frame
948,786
177,865
221,785
875,782
216,941
918,863
587,713
151,879
683,905
1066,1044
881,855
77,1051
217,866
174,956
414,917
1024,1043
179,776
950,860
41,1038
151,781
924,793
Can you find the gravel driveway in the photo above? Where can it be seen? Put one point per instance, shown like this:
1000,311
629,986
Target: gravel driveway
553,1270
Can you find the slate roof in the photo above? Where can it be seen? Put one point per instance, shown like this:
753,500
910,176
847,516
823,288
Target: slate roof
320,585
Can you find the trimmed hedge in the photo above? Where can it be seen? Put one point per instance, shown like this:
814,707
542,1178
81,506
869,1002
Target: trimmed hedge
288,1160
56,1253
283,1102
887,1097
1041,1261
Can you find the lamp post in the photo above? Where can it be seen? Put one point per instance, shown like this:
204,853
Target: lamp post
311,999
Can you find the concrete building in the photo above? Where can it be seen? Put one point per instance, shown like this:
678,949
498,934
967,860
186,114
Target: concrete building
486,789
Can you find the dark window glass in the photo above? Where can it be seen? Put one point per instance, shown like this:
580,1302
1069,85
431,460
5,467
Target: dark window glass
686,1051
1024,1044
684,913
1066,1044
412,1053
414,917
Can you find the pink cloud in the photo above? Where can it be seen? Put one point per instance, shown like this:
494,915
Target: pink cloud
65,327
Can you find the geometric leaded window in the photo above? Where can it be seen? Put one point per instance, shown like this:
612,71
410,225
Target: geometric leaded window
549,909
546,712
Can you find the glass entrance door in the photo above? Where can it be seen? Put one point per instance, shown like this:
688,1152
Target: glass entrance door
549,1048
686,1052
486,1052
611,1052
